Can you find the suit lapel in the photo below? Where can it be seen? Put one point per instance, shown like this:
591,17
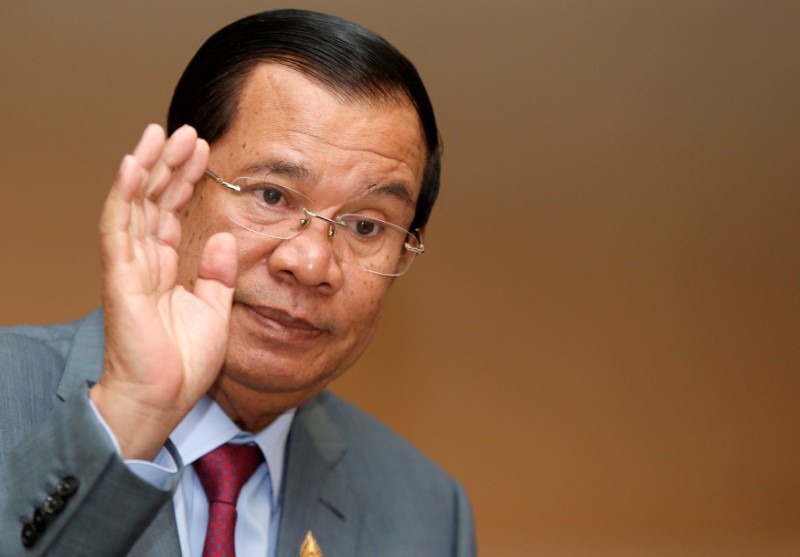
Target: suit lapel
85,358
316,492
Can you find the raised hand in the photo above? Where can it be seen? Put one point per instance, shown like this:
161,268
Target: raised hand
164,344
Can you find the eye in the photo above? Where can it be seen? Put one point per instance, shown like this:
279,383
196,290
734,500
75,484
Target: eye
361,227
366,228
271,195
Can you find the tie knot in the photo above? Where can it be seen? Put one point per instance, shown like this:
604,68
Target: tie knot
224,471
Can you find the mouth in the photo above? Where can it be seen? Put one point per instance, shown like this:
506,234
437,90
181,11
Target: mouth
279,323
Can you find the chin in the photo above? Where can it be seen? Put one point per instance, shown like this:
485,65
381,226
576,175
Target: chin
275,379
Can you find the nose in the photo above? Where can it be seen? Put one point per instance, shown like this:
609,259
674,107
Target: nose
308,258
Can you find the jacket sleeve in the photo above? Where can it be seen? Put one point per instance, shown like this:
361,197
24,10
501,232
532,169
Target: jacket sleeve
65,491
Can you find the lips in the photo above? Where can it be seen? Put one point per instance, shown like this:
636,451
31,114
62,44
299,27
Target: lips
281,322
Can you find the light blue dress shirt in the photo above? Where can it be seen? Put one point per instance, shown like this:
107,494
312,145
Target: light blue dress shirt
205,428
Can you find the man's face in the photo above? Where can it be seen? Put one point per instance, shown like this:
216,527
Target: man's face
301,316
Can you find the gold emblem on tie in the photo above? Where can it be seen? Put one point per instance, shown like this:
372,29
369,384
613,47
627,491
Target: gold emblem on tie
310,547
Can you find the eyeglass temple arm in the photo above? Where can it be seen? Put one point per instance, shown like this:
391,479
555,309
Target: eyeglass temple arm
415,249
222,182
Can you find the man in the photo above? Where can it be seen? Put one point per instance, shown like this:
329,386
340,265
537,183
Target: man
243,272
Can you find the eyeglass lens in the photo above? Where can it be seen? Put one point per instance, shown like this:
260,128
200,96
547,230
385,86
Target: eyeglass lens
279,212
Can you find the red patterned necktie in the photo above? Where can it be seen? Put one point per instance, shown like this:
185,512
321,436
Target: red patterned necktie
223,472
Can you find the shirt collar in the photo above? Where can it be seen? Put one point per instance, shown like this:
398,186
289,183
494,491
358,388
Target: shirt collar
207,426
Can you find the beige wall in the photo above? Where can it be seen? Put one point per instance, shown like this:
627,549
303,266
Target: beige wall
603,341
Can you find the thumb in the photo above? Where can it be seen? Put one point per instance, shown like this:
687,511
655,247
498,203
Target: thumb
216,273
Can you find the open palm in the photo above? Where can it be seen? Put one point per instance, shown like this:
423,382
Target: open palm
164,344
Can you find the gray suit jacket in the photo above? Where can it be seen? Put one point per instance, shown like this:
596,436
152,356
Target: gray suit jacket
360,488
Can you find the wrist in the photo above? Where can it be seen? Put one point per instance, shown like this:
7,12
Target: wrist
140,430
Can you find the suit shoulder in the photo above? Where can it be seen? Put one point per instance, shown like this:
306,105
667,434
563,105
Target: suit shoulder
19,339
33,355
25,353
23,343
374,445
32,363
394,483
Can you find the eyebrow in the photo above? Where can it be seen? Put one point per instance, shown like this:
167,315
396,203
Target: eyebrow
394,189
281,168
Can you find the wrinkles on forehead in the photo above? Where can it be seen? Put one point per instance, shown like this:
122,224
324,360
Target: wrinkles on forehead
291,131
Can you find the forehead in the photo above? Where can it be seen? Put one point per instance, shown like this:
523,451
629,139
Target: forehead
285,117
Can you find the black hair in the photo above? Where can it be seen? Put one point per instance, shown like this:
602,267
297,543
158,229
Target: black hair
351,61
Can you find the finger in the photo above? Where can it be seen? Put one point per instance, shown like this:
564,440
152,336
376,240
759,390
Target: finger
178,193
177,150
195,167
169,229
216,272
116,217
150,146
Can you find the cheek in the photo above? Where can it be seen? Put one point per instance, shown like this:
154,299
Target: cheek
191,246
364,304
253,252
199,221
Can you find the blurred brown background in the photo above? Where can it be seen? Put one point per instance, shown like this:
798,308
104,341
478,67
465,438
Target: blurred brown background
602,343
